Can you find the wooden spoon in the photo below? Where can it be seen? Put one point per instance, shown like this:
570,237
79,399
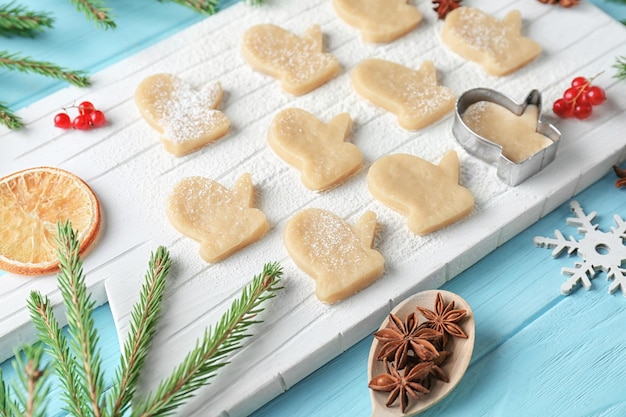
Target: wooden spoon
455,366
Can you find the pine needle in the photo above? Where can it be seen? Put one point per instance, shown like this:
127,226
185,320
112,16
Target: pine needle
83,335
18,20
210,352
9,119
208,7
255,2
25,64
96,11
142,328
33,389
620,66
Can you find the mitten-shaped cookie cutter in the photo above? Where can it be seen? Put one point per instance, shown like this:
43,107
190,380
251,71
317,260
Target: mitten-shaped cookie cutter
509,172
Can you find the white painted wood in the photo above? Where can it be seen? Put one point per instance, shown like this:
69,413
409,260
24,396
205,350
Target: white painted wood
131,173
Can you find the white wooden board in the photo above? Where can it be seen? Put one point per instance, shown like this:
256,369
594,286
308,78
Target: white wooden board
131,173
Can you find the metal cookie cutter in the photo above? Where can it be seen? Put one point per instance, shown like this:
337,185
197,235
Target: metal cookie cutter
509,172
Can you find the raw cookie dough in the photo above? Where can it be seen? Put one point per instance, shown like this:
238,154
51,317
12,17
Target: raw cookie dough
187,119
517,135
298,62
318,150
222,220
429,195
379,20
413,96
338,256
496,45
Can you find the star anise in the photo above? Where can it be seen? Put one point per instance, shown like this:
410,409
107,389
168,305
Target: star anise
436,372
563,3
443,319
401,338
621,173
443,7
409,383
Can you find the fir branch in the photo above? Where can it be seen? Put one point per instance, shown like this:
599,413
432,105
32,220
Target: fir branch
255,2
620,66
49,333
97,11
208,7
9,119
84,337
25,64
18,20
210,352
4,398
142,328
31,395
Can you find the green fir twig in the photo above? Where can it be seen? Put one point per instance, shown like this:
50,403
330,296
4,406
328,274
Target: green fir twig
145,315
96,11
9,119
19,21
255,2
31,393
208,7
620,66
76,360
211,351
26,64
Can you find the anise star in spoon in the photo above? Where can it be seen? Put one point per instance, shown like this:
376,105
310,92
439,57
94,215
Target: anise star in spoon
409,383
443,319
401,337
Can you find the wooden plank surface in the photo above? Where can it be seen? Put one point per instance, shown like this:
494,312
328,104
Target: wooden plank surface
563,189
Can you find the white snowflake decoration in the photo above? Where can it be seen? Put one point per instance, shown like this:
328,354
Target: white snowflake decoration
600,251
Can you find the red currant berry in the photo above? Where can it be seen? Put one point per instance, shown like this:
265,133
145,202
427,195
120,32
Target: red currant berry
595,95
81,122
582,111
97,118
63,121
85,107
562,108
580,82
571,94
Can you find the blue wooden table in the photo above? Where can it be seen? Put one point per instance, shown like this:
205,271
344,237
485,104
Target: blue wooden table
537,353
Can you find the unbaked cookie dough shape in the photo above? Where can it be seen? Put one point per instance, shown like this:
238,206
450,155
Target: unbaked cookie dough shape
429,195
221,219
338,256
318,150
298,62
516,134
379,20
497,45
413,96
187,119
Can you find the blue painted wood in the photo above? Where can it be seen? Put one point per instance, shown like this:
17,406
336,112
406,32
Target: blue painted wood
537,352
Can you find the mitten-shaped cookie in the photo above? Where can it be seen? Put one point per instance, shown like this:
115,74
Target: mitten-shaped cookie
338,256
429,195
379,20
298,62
187,119
413,96
222,220
317,149
497,45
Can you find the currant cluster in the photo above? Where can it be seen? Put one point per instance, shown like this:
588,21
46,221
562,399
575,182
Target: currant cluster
88,117
577,101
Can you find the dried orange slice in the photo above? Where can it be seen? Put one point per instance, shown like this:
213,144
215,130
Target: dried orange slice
32,202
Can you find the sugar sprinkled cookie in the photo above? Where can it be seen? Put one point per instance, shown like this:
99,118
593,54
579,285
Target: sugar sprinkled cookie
187,119
379,20
497,45
413,96
429,195
318,150
299,62
221,219
338,256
